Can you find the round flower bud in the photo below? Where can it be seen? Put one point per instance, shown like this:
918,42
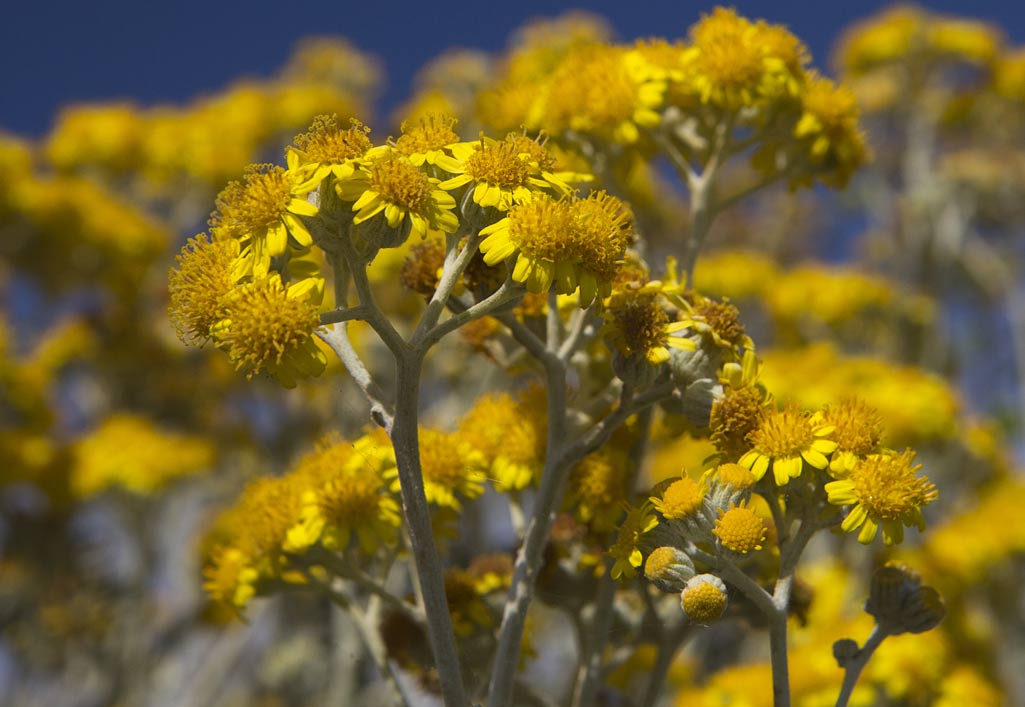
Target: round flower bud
668,568
900,604
704,599
844,650
740,530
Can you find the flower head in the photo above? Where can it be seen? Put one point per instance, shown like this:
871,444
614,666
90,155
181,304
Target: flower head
884,491
740,530
205,274
452,469
345,494
784,441
262,212
668,568
327,150
704,599
504,172
626,550
857,430
598,485
510,436
683,498
269,328
604,91
429,141
568,244
407,198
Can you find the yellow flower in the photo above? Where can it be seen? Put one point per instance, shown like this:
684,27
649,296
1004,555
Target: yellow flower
719,321
598,486
392,186
605,91
734,63
245,545
828,128
626,550
511,436
262,212
568,244
429,142
683,498
504,173
204,276
452,469
857,432
784,440
636,321
325,149
269,328
347,493
884,492
704,599
132,453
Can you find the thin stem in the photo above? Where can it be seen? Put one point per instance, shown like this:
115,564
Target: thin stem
505,294
337,338
854,666
592,651
778,658
553,325
456,261
348,314
346,570
405,439
367,631
374,316
577,326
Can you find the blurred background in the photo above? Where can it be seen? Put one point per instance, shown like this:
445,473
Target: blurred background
120,123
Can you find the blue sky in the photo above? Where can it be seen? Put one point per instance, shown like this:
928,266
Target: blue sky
58,52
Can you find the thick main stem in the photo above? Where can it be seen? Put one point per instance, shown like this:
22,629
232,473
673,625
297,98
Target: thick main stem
405,439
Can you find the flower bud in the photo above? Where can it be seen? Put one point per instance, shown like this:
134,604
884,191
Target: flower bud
900,604
704,599
669,568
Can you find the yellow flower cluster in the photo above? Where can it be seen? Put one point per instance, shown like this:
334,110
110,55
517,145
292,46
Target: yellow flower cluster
910,33
335,494
213,139
915,406
132,453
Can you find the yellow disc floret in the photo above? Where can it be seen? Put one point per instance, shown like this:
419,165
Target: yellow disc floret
740,530
704,599
682,499
268,328
198,285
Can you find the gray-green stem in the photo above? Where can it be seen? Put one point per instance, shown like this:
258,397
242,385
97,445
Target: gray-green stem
854,666
405,440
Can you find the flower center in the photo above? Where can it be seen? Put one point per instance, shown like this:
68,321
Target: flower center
543,228
402,183
326,142
785,433
265,324
682,498
256,204
433,133
498,164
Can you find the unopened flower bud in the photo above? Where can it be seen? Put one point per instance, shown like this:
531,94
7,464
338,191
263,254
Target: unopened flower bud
844,650
704,599
900,604
669,568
